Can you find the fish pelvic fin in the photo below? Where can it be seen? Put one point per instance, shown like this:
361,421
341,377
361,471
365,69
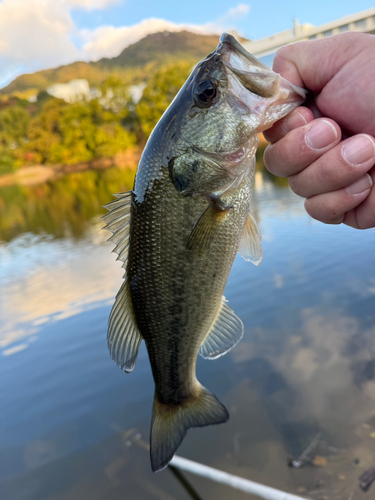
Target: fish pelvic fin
251,242
170,423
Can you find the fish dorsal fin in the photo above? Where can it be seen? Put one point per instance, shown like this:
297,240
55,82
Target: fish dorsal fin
205,228
251,242
124,338
225,333
118,222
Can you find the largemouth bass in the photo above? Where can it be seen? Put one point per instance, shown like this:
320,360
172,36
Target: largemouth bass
180,228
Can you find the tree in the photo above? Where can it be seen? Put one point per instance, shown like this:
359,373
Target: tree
44,130
13,136
13,127
161,88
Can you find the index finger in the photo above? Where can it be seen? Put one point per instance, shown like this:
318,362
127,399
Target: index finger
297,118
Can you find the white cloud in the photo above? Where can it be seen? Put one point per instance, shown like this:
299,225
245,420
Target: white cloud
109,41
90,4
34,34
37,34
234,13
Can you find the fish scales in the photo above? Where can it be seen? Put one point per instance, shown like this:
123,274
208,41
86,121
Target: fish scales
187,307
178,232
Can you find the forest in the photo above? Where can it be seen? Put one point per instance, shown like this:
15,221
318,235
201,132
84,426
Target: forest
51,131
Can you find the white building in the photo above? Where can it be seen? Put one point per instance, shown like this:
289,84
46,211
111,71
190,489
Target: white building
266,47
136,92
72,91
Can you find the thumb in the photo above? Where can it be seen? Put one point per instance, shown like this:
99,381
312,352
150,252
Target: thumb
313,64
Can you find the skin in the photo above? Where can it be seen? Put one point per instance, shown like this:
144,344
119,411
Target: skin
335,174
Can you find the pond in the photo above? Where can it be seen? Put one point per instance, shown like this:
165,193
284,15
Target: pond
73,426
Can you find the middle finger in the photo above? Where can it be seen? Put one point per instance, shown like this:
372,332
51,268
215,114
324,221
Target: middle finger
301,147
336,169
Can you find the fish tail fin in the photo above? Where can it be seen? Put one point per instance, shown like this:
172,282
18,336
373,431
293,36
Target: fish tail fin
170,423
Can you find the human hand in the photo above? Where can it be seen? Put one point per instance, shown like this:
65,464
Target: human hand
328,150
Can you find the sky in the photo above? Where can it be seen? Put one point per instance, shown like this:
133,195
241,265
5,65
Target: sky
41,34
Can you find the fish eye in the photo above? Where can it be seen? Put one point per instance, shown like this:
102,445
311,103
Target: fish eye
206,92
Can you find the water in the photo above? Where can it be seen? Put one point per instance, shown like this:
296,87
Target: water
72,425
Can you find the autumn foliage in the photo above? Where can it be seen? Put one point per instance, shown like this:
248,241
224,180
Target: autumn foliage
52,131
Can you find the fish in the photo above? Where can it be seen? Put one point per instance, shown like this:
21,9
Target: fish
179,229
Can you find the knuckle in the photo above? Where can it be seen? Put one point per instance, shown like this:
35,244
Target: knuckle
324,209
288,153
295,185
277,158
284,59
281,55
333,172
268,159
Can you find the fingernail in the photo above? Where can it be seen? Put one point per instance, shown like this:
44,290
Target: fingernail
363,184
321,135
359,150
294,121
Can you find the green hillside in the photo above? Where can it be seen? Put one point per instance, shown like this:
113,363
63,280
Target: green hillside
163,47
51,131
153,50
63,74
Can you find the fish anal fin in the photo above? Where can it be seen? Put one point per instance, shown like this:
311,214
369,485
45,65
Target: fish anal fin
251,242
170,423
205,228
124,338
118,221
225,333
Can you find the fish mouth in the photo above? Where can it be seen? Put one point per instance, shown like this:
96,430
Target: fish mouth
270,95
253,74
236,56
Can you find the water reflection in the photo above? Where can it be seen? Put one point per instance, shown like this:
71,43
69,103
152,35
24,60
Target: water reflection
59,207
70,420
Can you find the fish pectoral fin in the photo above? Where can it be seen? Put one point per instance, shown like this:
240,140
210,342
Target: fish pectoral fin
170,423
205,228
251,242
118,222
124,339
225,333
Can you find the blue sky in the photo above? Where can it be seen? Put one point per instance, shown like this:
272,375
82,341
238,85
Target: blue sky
264,18
39,34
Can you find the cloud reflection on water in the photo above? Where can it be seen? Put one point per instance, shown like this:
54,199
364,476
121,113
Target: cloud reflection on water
306,364
72,278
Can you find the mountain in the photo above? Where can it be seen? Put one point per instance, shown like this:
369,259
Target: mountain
157,48
41,80
163,47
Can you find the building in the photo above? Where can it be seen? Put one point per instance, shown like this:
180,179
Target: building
72,91
265,48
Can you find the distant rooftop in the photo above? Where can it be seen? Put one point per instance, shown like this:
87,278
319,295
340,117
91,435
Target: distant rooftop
362,21
70,92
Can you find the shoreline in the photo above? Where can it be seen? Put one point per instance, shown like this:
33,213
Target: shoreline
36,174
